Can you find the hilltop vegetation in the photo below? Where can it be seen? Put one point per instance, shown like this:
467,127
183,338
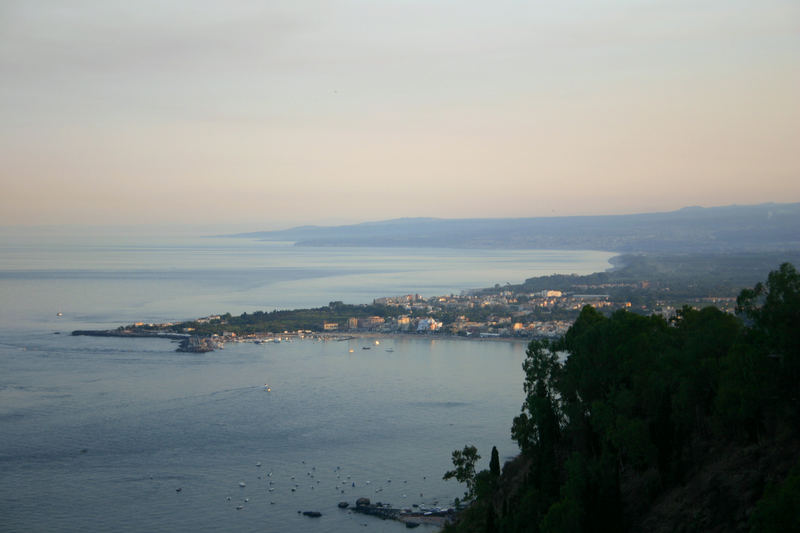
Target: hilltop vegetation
635,423
285,319
646,278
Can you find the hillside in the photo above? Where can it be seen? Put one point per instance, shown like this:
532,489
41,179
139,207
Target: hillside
754,228
636,423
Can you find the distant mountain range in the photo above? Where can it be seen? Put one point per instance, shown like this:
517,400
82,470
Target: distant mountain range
735,228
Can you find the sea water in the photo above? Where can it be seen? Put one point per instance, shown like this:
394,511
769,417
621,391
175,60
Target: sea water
101,434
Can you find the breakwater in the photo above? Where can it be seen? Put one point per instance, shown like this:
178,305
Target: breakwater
187,343
129,333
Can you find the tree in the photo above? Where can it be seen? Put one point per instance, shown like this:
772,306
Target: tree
774,310
538,425
494,463
777,510
464,461
622,417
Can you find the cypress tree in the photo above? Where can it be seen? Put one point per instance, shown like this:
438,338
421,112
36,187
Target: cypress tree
494,463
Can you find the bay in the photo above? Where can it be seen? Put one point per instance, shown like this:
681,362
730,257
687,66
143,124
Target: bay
110,280
98,434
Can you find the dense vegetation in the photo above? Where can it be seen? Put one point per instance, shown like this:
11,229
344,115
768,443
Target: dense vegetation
313,319
649,424
290,319
644,279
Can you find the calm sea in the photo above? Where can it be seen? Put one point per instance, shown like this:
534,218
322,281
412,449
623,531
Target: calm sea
98,434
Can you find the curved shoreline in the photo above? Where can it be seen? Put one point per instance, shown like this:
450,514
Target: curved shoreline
208,343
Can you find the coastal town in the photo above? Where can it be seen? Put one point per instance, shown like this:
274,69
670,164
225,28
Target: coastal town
512,312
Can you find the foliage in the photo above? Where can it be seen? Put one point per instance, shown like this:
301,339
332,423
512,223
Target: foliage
628,395
778,510
464,472
774,310
494,463
289,320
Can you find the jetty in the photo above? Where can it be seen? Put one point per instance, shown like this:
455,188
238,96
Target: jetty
130,333
187,343
434,516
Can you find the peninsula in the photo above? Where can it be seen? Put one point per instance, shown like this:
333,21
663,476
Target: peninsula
538,308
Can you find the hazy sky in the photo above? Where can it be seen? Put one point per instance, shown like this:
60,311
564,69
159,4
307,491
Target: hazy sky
274,113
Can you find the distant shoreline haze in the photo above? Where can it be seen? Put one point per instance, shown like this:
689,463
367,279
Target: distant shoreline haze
735,228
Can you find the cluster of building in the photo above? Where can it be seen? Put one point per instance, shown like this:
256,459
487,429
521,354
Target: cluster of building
514,302
545,313
480,314
403,323
506,313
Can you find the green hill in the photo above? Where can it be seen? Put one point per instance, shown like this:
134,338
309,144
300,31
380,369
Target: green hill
636,423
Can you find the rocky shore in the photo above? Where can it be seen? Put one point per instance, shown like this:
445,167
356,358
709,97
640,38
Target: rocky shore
197,345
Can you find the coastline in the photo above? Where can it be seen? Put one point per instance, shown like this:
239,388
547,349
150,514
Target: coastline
435,336
206,343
